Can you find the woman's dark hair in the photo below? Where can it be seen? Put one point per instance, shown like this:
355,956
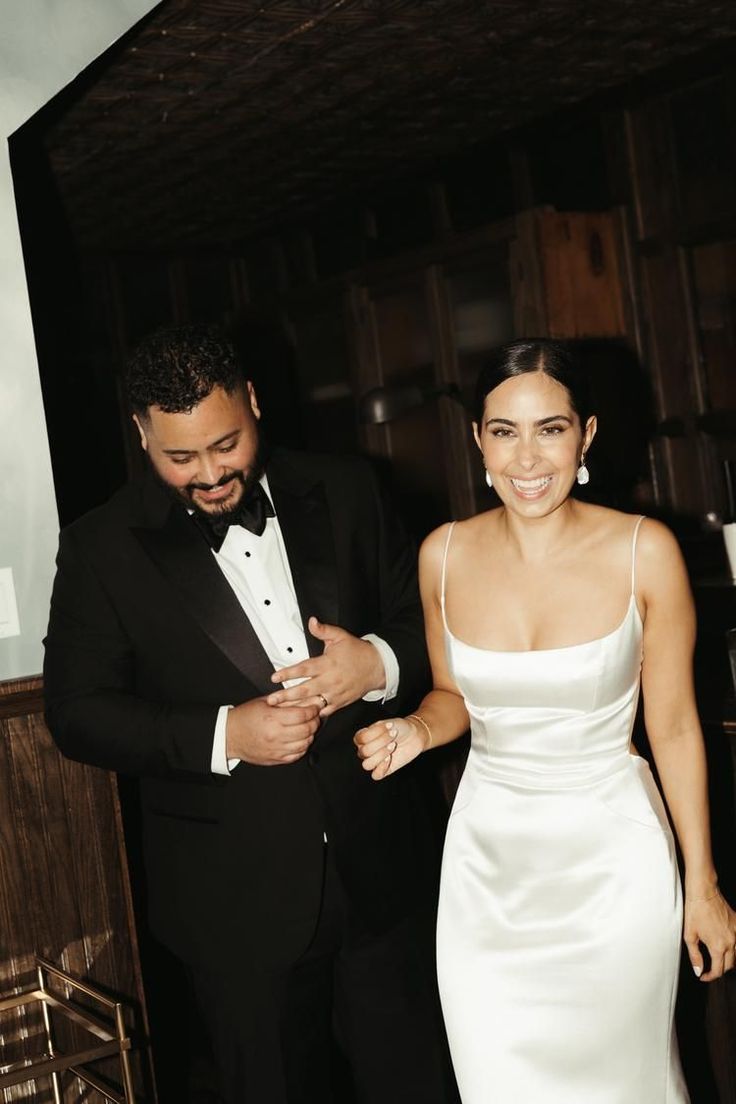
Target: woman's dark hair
535,354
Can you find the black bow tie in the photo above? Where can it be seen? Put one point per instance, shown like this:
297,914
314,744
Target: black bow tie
251,513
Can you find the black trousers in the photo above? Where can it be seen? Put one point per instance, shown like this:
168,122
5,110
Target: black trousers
355,1020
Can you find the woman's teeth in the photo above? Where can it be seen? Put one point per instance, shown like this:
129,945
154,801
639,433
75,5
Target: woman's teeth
529,485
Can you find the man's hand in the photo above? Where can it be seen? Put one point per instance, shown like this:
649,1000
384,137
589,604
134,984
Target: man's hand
347,669
267,737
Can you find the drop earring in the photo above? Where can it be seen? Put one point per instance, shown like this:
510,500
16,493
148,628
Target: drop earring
489,481
583,475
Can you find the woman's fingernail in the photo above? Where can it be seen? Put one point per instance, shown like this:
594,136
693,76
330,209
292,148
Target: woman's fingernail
391,747
697,970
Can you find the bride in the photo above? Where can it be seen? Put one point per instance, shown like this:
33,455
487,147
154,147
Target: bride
560,911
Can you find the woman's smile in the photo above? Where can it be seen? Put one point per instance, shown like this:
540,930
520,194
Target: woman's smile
531,488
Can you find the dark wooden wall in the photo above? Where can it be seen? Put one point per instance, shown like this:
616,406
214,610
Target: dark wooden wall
435,252
64,890
681,155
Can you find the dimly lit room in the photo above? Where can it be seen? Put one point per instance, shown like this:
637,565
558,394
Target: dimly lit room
364,201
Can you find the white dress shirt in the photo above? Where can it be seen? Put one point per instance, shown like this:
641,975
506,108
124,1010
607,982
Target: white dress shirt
257,569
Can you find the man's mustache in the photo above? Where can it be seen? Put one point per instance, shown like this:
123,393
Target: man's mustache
220,482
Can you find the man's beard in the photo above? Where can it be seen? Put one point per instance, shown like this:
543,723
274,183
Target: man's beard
220,511
231,505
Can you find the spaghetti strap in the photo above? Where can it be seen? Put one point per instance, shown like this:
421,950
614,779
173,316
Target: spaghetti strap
444,572
633,552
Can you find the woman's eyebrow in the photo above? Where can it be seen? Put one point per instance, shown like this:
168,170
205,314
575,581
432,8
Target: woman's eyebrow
540,421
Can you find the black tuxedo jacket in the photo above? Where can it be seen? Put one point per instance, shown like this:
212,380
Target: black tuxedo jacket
146,641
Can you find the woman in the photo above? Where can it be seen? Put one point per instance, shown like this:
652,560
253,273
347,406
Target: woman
560,904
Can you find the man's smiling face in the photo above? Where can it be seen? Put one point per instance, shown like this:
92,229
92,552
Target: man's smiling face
210,455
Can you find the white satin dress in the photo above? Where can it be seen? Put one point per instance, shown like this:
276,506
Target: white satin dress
560,905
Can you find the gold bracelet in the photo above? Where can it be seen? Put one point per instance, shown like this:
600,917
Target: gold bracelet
700,900
425,726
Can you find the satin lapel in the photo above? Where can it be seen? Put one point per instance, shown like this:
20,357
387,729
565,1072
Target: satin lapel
184,559
304,517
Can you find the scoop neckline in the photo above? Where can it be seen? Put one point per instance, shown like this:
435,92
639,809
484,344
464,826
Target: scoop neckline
548,651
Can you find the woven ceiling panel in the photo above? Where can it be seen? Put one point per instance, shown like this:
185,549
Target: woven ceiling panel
219,118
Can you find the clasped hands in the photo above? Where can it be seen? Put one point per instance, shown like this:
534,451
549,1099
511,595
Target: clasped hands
280,728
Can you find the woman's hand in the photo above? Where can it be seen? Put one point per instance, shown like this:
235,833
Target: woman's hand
711,921
387,746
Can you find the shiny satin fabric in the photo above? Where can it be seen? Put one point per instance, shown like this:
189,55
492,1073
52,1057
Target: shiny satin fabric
560,906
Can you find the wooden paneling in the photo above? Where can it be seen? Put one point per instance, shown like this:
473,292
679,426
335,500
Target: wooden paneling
527,279
651,168
714,279
681,154
668,340
456,432
566,275
416,442
703,129
583,288
64,889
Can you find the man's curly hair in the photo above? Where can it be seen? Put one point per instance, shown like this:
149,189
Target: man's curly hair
177,367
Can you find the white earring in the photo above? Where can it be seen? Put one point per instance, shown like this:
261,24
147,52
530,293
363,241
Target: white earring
489,481
583,475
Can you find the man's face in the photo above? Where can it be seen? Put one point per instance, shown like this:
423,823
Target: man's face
209,456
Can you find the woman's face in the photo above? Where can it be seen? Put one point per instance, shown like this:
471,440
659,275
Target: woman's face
532,441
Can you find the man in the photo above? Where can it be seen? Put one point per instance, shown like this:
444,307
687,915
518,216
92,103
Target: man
211,631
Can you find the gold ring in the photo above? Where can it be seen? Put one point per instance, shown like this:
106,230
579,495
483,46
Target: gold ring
324,700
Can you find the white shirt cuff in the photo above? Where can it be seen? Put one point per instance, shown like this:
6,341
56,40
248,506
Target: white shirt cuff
390,667
220,764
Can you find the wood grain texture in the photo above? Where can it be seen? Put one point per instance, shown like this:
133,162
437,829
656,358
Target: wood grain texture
583,288
566,275
64,890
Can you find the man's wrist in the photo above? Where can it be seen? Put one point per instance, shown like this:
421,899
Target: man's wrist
377,676
221,762
388,680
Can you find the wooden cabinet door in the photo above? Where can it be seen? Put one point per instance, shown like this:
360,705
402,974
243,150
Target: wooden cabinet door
567,276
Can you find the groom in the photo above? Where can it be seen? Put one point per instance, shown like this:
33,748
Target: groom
221,628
